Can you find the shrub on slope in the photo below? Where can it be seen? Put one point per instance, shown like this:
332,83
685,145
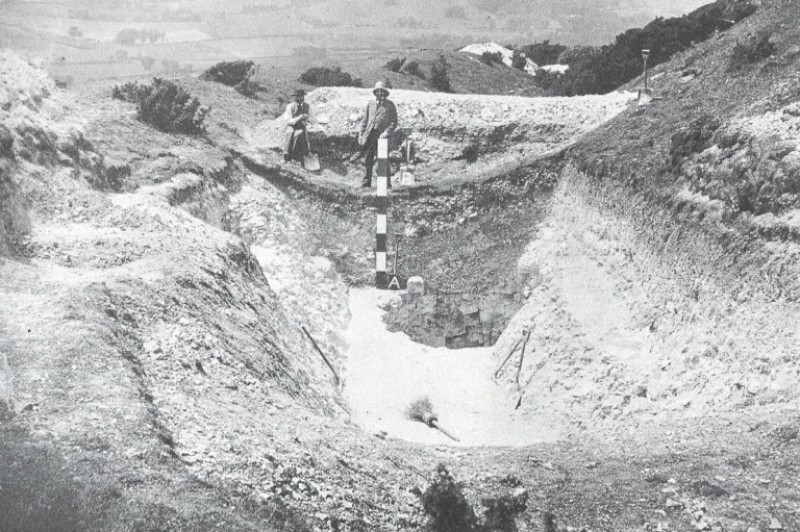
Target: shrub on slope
329,77
601,70
396,64
165,105
440,78
751,52
543,53
491,58
236,74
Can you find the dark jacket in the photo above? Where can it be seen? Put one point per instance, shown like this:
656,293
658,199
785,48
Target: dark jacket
378,118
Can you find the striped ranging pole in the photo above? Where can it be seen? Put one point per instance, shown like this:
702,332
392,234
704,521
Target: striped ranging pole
381,281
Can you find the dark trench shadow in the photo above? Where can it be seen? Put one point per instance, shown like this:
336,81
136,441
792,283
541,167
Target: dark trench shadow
36,491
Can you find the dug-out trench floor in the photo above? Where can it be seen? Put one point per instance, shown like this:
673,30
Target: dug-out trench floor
386,371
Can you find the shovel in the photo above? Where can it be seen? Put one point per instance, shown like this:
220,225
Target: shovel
422,410
310,161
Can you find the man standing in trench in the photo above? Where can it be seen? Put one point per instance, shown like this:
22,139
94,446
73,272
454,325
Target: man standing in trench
380,121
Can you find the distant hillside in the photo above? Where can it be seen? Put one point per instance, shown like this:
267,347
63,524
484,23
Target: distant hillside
417,22
79,39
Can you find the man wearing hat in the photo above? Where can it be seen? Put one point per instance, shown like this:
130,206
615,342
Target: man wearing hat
296,117
380,121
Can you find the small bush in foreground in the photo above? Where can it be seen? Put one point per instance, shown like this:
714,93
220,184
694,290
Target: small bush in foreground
449,511
446,506
165,105
751,52
329,77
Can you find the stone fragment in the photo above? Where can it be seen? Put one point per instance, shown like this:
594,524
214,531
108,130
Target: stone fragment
673,504
415,286
701,524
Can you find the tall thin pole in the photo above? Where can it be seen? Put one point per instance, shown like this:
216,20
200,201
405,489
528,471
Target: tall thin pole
381,280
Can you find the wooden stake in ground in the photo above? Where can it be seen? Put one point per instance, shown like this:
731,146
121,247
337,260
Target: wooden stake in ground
422,410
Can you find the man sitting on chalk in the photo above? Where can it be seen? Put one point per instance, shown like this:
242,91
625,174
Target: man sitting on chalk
296,117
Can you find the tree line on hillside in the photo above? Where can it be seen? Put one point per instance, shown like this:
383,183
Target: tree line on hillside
437,79
598,70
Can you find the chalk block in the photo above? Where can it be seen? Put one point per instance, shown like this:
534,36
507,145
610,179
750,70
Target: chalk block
415,286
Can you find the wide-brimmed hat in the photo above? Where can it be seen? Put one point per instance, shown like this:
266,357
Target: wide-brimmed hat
299,92
380,86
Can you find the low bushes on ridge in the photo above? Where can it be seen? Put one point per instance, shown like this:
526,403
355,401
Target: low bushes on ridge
165,105
236,74
329,77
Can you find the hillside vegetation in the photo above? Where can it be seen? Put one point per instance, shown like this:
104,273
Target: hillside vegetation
722,136
466,73
597,70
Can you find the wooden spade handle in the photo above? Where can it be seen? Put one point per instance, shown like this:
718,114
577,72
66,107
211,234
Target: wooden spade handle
435,424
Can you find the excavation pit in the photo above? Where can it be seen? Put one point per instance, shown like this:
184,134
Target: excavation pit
386,371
